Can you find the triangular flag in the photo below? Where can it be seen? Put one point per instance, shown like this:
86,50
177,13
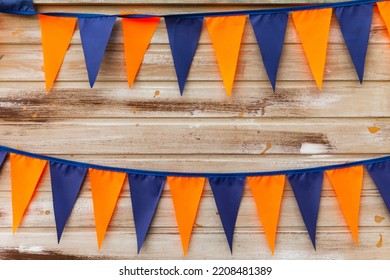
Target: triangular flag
355,24
183,34
267,192
307,190
347,184
66,182
380,174
95,33
3,155
17,5
137,33
270,30
313,30
25,175
186,193
226,34
54,46
106,187
384,10
227,194
145,194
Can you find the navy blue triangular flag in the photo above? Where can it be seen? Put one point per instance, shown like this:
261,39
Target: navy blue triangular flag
380,174
355,24
17,5
3,155
95,33
66,182
307,190
227,194
145,194
183,34
270,30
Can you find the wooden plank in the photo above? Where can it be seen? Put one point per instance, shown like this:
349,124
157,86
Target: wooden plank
26,30
24,63
162,99
199,136
40,213
248,244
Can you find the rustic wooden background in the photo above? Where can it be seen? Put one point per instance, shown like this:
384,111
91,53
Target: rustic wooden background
152,127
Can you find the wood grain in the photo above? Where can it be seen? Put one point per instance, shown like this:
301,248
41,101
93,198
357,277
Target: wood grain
28,100
332,243
216,136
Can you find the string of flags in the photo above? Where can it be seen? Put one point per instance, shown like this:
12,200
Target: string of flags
67,178
225,29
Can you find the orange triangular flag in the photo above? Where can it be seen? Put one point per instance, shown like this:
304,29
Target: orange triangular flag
347,183
57,32
267,192
313,30
25,175
384,10
186,193
106,187
137,33
226,34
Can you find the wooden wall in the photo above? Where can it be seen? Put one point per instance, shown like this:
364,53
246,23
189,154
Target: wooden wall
152,127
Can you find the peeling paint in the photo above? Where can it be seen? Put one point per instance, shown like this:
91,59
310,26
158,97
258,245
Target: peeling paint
378,219
17,32
379,244
313,148
267,147
373,129
32,249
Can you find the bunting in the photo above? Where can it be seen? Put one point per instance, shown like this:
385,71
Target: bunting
66,182
347,184
312,24
227,194
67,178
267,192
270,30
313,30
145,194
355,24
54,46
95,33
226,34
106,187
380,174
183,34
137,33
25,175
26,6
186,193
3,155
384,10
307,190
